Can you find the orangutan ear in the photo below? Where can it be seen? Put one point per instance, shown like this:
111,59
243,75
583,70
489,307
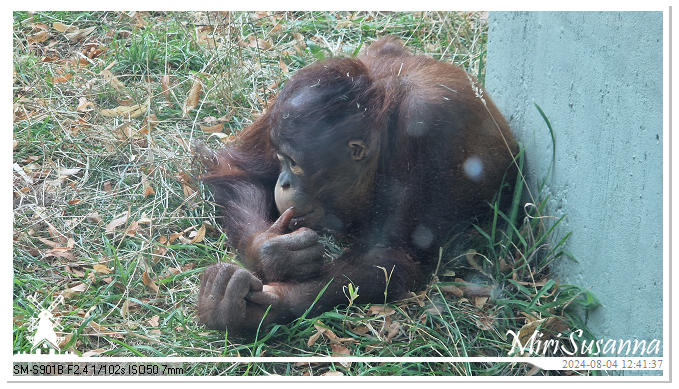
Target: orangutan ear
358,149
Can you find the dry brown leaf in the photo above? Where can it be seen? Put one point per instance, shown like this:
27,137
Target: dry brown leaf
154,321
148,189
504,267
132,229
381,310
48,242
193,97
474,290
361,330
70,292
112,79
84,105
339,350
284,67
60,252
79,34
91,51
60,79
101,268
394,329
149,124
95,352
40,26
550,327
93,217
64,341
107,187
125,309
188,191
480,301
219,127
129,111
115,223
61,27
200,235
534,284
174,270
451,289
38,37
471,259
333,373
65,172
149,282
165,85
101,330
313,338
75,271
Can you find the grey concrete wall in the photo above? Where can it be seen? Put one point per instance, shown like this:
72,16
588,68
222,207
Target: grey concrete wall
598,77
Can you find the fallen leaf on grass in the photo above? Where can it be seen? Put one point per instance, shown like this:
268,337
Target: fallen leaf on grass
193,97
200,235
125,309
338,350
61,27
165,85
132,229
75,271
394,329
61,252
95,352
64,341
550,327
112,79
154,321
284,67
93,217
60,79
149,282
101,268
127,111
38,37
79,34
219,127
48,242
332,374
148,189
256,43
70,292
149,124
381,310
451,289
84,105
115,223
101,330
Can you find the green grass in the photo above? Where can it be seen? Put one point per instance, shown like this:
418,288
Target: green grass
112,312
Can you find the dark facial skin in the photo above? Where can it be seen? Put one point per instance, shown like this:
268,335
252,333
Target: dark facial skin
390,150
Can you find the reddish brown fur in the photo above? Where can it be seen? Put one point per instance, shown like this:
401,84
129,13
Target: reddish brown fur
429,131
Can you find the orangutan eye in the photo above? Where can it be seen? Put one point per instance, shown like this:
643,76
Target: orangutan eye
293,165
283,158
